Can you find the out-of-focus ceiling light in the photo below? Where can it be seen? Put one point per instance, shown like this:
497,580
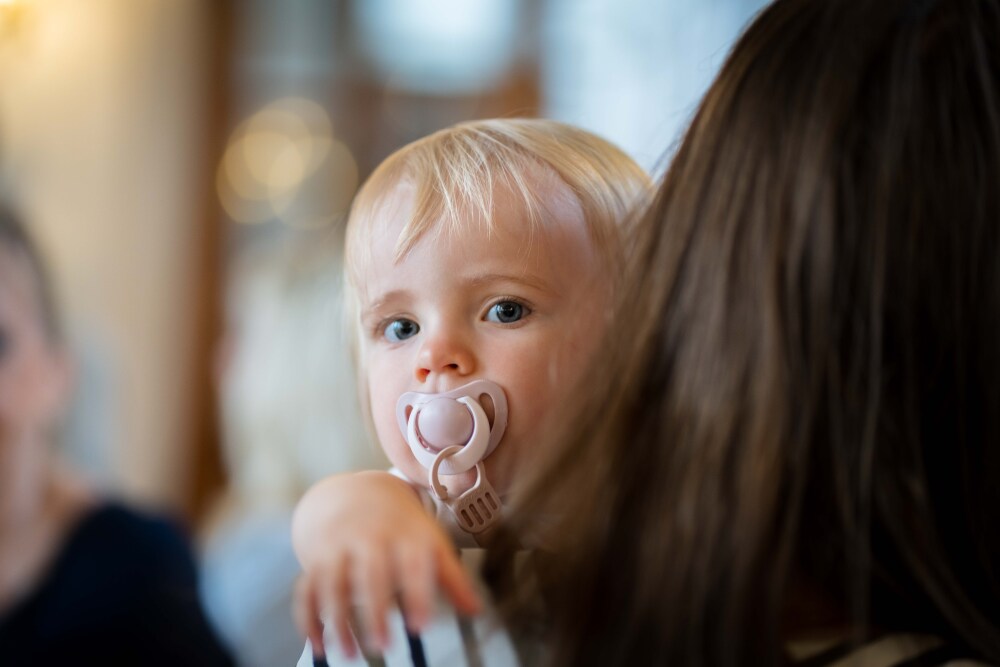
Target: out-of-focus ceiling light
439,46
10,14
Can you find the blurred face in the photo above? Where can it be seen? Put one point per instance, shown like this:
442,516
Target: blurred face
523,309
33,372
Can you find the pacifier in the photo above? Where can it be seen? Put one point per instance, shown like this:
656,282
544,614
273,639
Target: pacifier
456,418
450,433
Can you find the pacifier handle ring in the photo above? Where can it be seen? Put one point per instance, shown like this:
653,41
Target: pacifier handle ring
434,478
467,456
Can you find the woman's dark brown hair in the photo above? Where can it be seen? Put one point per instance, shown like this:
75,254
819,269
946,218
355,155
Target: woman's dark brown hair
796,423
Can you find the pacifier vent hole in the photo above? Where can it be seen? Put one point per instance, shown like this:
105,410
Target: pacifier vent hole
409,411
486,401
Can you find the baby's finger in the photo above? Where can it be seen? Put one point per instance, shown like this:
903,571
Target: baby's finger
415,571
371,582
335,600
305,610
455,582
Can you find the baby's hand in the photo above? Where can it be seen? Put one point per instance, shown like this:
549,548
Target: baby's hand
362,539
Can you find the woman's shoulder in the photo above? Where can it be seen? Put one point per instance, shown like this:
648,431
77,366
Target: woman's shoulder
118,522
884,650
122,587
114,543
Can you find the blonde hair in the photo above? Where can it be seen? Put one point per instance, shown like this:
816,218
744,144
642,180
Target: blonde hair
456,171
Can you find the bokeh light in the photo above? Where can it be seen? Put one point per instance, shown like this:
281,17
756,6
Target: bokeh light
283,164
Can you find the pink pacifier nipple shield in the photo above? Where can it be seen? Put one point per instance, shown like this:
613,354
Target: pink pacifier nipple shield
435,422
450,433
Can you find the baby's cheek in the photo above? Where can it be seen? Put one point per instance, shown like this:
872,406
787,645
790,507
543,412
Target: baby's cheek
389,439
546,398
528,419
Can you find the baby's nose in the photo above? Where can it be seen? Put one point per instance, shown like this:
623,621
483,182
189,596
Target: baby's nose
444,355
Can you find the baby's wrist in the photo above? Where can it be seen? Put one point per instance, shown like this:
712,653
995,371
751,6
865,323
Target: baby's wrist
422,493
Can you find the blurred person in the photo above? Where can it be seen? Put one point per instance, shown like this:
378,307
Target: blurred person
83,579
482,262
793,430
290,416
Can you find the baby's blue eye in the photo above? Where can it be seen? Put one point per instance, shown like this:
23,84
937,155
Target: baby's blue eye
401,329
505,312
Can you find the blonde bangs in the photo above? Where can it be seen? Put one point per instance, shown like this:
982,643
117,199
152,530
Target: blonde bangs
456,172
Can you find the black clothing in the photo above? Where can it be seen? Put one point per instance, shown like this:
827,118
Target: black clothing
122,591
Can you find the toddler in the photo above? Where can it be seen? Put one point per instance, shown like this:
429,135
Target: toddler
481,261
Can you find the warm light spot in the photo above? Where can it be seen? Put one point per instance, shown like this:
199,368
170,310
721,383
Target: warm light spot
326,194
11,12
288,167
261,148
235,173
273,157
237,206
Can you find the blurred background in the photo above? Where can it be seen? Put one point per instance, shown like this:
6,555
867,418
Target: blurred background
186,165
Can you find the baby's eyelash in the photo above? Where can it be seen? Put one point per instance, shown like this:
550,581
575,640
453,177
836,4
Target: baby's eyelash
509,299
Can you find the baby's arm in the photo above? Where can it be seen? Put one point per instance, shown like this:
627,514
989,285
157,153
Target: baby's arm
366,537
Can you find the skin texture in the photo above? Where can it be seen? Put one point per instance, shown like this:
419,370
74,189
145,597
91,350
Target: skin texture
522,305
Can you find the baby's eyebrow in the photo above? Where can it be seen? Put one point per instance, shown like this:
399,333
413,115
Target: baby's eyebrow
526,279
382,300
